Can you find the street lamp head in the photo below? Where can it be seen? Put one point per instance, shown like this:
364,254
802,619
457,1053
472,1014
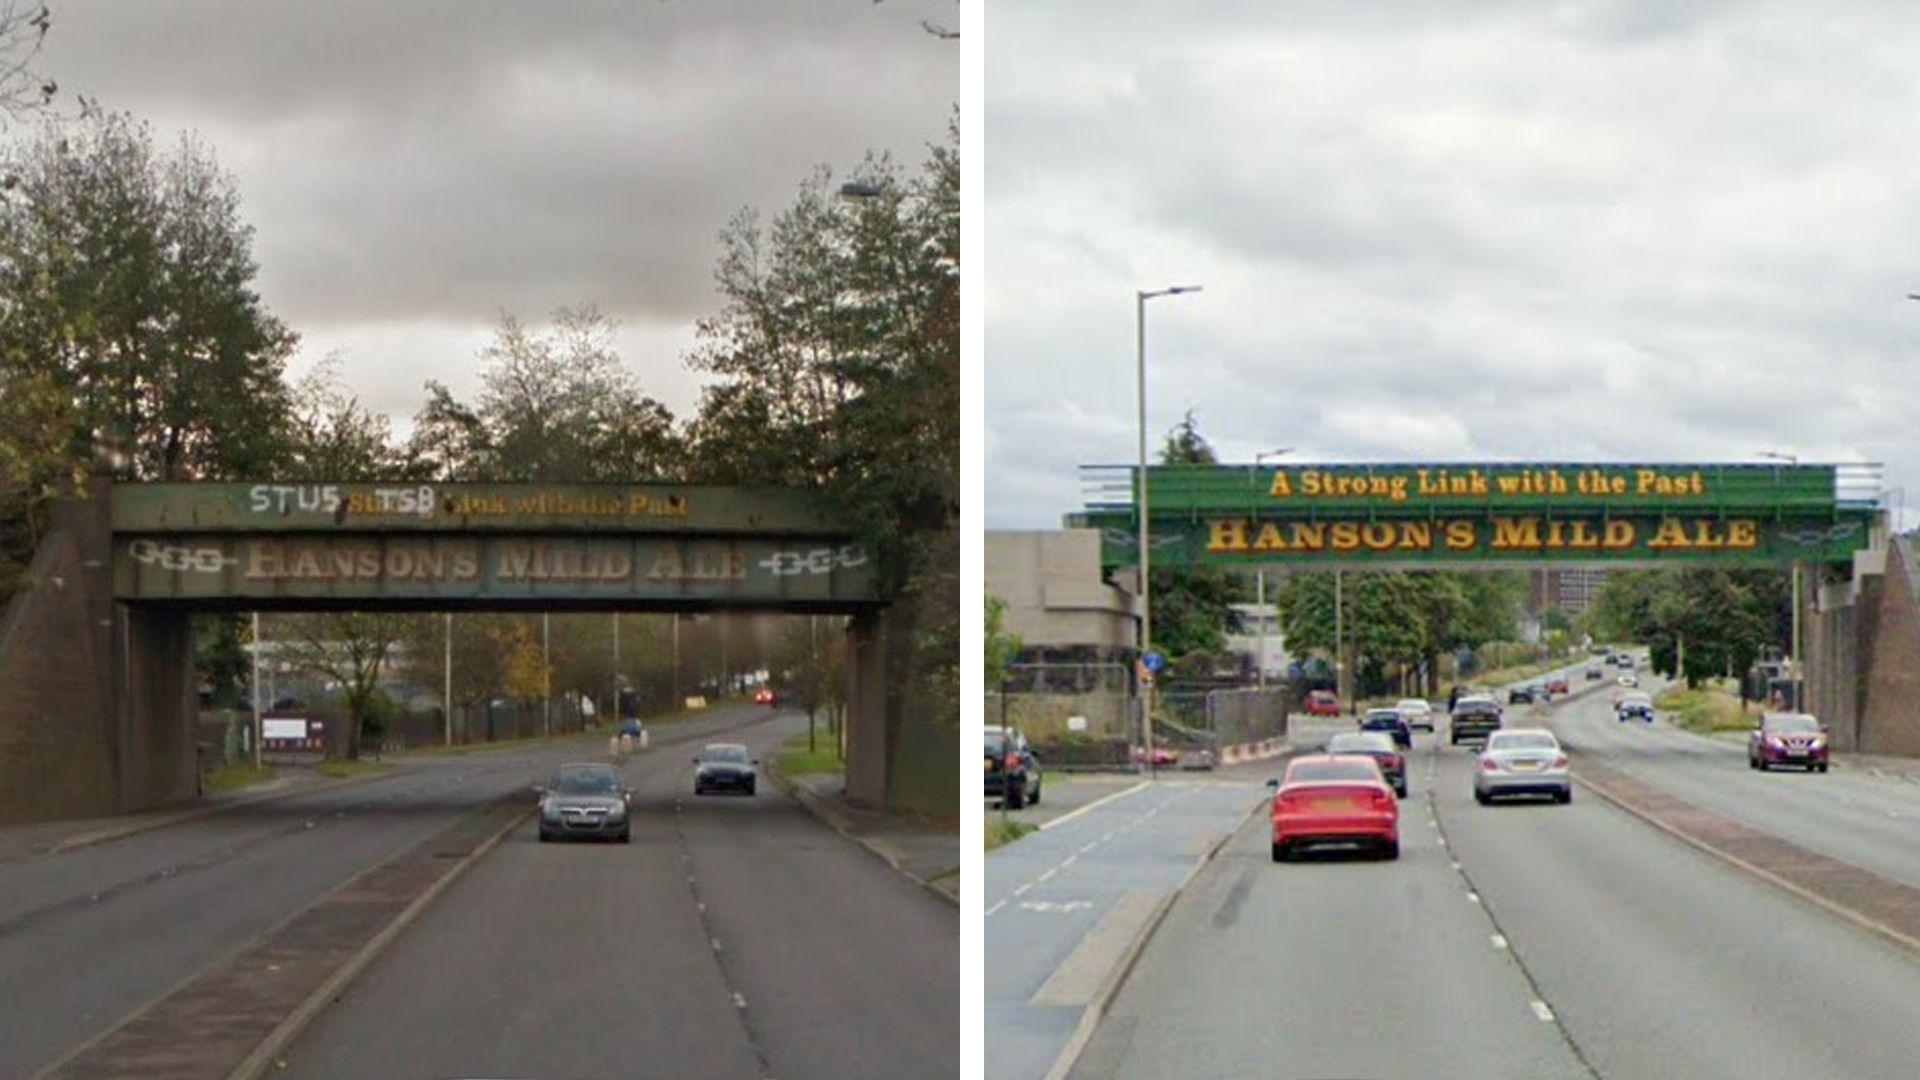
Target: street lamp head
860,189
1172,290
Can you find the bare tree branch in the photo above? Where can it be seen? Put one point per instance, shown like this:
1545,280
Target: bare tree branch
23,32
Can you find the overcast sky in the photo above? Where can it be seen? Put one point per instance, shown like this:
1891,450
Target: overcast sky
1504,230
414,168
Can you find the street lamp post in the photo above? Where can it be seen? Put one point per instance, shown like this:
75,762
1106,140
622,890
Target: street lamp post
1146,598
1260,583
1793,658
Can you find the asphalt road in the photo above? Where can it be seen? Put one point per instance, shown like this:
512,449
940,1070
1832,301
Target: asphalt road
1569,941
88,937
734,937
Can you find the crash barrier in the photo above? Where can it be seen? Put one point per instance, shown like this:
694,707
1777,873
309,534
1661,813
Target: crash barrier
1240,753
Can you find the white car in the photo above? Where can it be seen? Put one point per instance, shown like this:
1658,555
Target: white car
1628,679
1522,761
1419,713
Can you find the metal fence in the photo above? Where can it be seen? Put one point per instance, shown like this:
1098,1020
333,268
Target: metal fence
1087,715
1074,714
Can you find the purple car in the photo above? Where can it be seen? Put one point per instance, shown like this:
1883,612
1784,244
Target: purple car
1788,739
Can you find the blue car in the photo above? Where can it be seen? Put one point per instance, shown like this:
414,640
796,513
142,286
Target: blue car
1391,721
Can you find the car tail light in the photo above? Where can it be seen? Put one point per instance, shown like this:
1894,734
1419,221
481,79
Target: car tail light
1560,762
1488,764
1383,800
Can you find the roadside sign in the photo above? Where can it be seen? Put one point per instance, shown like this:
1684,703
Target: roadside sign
1155,660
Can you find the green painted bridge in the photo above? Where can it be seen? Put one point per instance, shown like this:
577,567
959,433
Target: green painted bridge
1407,516
96,655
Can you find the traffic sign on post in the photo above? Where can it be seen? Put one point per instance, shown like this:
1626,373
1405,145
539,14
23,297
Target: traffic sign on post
1155,660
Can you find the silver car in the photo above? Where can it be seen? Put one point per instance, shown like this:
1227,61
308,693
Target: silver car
1522,761
585,800
1419,712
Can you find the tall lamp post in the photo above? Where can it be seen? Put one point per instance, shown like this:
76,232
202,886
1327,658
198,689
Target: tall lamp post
1793,660
1260,581
1146,599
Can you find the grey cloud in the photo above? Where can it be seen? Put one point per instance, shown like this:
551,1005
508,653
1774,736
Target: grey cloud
439,161
1591,230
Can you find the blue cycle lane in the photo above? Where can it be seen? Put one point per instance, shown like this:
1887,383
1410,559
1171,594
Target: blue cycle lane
1065,904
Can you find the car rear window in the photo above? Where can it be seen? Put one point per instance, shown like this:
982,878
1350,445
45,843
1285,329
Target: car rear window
1355,743
1332,770
996,744
1522,740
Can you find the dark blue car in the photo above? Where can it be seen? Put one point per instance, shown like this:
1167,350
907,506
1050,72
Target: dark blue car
1391,721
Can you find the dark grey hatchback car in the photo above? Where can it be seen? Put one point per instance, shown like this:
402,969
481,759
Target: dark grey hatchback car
585,800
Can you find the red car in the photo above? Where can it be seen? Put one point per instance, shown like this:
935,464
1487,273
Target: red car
1557,686
1787,739
1322,703
1334,799
1162,756
764,696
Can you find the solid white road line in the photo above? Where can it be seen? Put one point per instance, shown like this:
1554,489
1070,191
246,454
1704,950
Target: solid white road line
1101,801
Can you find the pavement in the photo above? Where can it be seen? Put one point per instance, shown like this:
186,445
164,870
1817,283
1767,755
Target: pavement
103,939
925,850
1065,905
1535,940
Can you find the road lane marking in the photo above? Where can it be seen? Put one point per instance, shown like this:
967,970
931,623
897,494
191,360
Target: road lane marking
996,907
1046,875
1022,890
1069,861
1474,897
1101,801
1499,941
1540,1010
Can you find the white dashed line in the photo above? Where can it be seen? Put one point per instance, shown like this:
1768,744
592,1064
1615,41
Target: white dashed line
996,907
1069,861
1473,897
740,1001
1046,875
1540,1010
1022,890
1499,942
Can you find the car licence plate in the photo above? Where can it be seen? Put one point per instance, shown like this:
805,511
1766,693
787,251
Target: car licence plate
1332,803
1527,766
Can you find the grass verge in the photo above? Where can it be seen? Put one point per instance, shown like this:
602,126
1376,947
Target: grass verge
1000,833
795,760
235,777
340,770
1706,710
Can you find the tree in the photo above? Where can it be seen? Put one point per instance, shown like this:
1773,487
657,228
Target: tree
23,31
1192,606
328,436
37,462
557,405
835,357
1723,618
126,277
351,649
1001,647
